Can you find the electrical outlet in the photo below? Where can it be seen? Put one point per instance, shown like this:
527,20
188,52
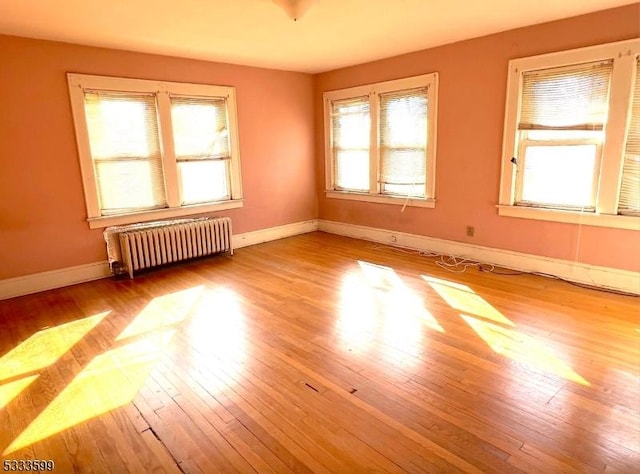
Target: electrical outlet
470,231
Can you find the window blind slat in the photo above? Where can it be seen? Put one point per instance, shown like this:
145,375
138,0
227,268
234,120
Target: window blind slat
573,98
403,141
125,150
630,186
350,143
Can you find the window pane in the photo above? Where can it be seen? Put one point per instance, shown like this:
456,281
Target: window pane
351,123
403,119
125,150
403,166
127,185
352,170
559,175
630,186
351,129
121,126
403,140
200,127
203,181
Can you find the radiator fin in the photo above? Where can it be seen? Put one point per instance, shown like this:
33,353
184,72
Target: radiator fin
160,245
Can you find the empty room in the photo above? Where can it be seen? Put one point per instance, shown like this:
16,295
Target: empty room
332,236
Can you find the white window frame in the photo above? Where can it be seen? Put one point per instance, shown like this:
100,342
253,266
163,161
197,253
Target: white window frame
78,83
430,81
609,167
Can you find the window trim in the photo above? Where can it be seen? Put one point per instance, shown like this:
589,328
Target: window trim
77,83
381,198
425,80
609,173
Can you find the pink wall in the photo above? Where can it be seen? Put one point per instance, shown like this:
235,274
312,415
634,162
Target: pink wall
471,103
42,212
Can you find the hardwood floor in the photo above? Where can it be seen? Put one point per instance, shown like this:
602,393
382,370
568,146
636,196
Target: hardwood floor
319,353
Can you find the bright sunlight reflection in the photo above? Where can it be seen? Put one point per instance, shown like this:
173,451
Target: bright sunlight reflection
376,305
464,299
111,379
522,348
507,342
217,332
162,312
46,346
10,390
217,328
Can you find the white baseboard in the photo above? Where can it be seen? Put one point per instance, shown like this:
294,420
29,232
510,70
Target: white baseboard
34,283
604,277
575,271
273,233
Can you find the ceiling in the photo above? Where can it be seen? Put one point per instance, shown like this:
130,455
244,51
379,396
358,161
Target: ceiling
332,33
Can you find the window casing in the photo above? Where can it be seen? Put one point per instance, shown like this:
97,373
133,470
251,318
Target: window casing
567,123
381,141
151,150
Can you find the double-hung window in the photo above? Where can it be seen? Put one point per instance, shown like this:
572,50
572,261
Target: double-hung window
380,141
151,149
572,145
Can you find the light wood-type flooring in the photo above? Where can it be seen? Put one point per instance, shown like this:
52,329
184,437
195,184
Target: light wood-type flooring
320,353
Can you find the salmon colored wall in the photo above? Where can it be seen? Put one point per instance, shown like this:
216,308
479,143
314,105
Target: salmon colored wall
471,104
42,212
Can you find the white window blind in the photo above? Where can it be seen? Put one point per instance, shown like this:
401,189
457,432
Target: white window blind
202,148
403,142
561,128
125,149
350,143
566,98
630,187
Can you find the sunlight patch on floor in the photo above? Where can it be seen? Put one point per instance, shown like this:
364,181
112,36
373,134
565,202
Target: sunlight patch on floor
523,348
45,347
465,300
377,306
489,324
10,390
400,304
162,312
217,328
357,321
109,381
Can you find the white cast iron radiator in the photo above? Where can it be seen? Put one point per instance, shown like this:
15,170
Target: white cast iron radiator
161,243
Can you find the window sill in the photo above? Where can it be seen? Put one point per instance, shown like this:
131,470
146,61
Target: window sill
146,216
379,198
572,217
